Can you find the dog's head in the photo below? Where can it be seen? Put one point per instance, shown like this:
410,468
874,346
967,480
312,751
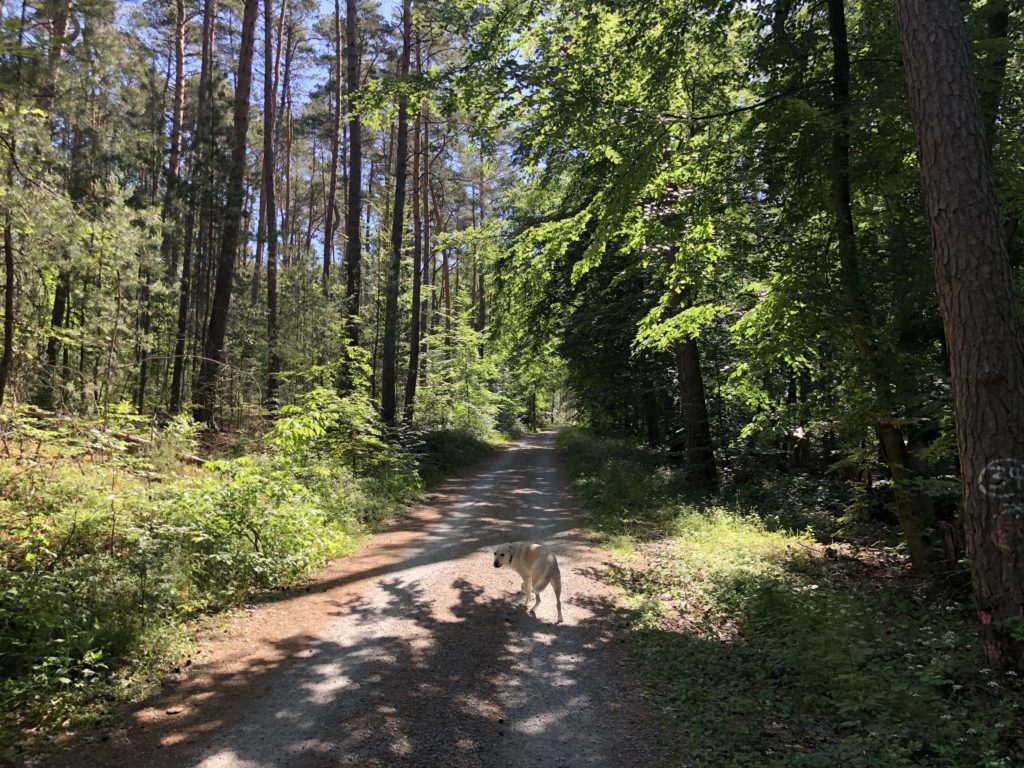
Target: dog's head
502,555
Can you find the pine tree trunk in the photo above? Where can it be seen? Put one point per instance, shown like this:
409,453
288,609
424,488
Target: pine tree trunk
184,295
213,350
177,120
417,258
269,96
353,247
993,65
428,256
913,508
332,190
979,311
389,374
8,355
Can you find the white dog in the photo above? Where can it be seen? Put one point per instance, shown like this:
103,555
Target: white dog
538,567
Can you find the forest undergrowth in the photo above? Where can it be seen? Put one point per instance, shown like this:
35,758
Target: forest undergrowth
774,636
116,540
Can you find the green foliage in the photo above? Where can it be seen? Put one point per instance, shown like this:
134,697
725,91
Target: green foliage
442,452
107,546
765,652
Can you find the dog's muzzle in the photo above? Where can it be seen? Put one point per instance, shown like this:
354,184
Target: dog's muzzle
497,563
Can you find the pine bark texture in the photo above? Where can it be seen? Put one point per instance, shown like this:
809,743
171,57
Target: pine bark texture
213,349
912,508
269,166
389,374
7,360
330,221
353,247
979,310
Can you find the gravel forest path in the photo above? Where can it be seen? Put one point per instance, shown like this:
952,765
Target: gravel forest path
410,652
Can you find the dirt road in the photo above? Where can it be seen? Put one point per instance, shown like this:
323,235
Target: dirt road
410,653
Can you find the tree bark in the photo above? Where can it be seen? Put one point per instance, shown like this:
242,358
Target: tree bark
417,259
389,374
8,355
213,350
993,65
270,64
177,120
912,509
353,247
184,295
979,310
428,255
332,189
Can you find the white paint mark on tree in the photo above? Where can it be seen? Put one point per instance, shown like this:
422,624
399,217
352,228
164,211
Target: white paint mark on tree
1002,479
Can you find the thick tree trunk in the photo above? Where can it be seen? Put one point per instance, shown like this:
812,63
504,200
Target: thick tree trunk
979,310
389,374
701,471
213,350
912,508
353,247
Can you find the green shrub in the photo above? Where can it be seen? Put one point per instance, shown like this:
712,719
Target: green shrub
769,654
442,452
105,548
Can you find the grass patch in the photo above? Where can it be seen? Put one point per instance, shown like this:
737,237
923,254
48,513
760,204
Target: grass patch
769,650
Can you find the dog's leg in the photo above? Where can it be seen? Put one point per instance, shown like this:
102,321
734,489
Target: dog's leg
556,584
527,590
534,609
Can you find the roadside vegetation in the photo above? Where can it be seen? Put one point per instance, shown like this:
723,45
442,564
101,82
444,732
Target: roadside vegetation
777,632
115,537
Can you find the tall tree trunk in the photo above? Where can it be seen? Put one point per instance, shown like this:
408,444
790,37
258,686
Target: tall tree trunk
167,243
417,246
700,455
8,355
993,65
701,469
7,361
203,177
59,13
59,16
389,377
330,223
47,395
213,350
353,247
184,295
287,215
428,256
913,508
979,311
269,83
481,299
261,244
